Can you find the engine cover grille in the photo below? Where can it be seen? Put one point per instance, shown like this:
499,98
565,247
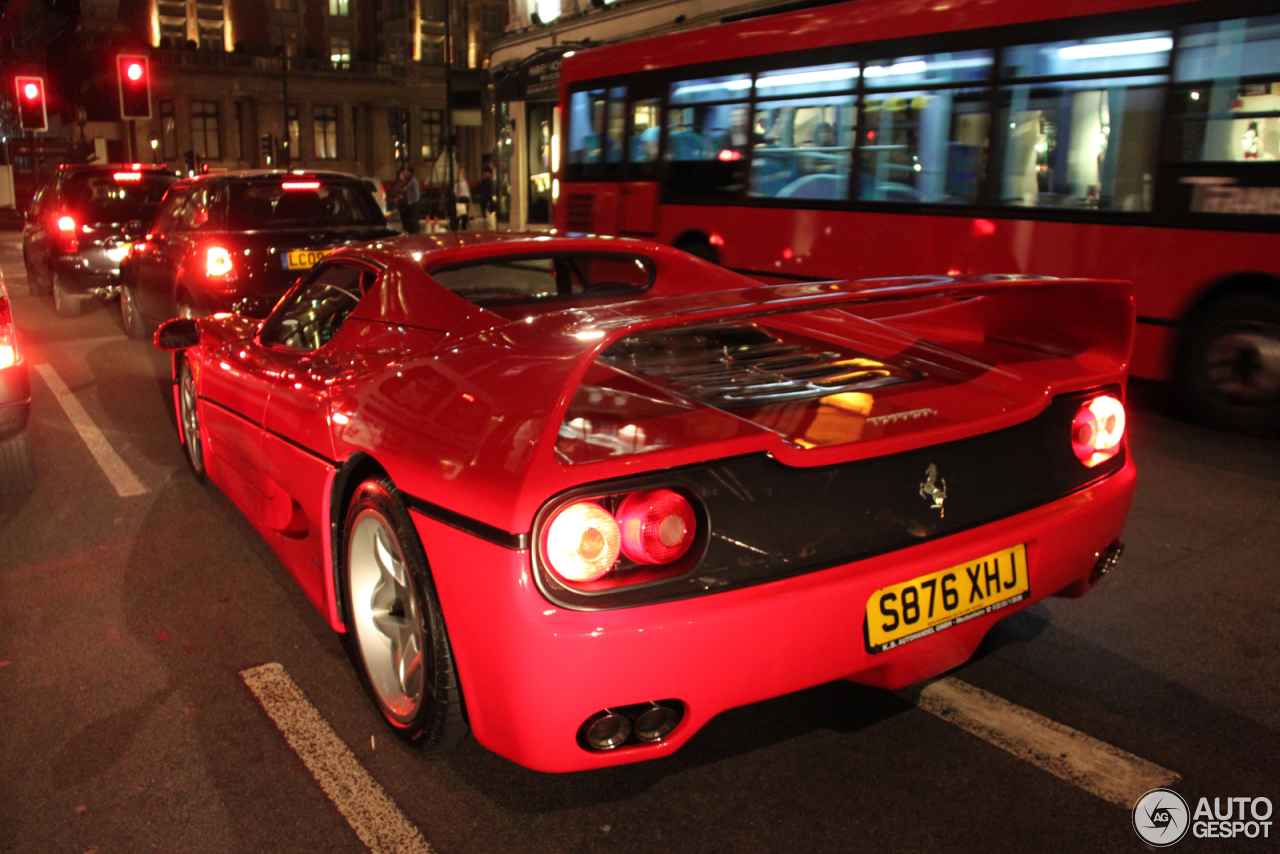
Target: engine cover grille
743,364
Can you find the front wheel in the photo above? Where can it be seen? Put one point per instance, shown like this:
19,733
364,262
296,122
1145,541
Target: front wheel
1229,366
189,415
130,315
396,627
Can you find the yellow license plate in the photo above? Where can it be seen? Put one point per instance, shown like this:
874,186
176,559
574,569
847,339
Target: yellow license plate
302,259
919,607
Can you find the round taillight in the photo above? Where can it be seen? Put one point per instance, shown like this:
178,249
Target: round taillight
582,542
66,223
1098,429
658,526
217,261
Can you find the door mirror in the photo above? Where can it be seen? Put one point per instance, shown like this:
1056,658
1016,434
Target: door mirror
178,334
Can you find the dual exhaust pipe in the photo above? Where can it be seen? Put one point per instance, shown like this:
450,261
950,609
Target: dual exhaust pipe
644,723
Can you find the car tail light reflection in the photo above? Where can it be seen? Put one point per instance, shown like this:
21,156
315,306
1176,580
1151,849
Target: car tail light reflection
658,526
8,344
599,543
1098,430
582,542
66,238
217,261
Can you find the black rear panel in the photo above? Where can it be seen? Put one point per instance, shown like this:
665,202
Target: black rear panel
769,521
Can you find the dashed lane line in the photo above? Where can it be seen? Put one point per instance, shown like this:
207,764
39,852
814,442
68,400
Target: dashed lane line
126,483
362,802
1095,766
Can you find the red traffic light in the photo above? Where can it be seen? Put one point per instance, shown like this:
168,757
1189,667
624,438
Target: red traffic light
135,87
32,114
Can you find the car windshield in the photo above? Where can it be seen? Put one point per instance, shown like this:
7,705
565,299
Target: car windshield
535,278
302,203
116,196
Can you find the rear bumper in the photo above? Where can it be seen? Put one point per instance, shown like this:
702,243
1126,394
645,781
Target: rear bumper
532,672
83,278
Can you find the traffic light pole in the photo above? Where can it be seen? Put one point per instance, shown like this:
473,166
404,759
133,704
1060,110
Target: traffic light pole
133,142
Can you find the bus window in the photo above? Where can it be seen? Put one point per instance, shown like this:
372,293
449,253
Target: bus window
801,147
1087,144
925,146
586,129
728,88
617,122
1226,107
965,66
1135,52
645,129
707,143
842,77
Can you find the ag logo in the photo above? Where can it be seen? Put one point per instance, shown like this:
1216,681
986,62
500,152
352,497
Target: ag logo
1161,817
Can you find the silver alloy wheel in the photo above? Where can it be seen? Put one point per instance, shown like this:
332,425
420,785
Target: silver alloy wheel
190,421
388,622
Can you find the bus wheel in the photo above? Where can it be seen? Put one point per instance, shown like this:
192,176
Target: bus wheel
1229,371
699,247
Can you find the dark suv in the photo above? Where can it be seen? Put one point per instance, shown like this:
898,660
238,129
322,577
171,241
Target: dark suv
236,241
81,224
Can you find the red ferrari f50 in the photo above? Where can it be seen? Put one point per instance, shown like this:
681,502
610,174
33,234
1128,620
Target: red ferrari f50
619,485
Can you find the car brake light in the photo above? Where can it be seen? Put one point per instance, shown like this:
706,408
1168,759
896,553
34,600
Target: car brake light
8,344
300,185
1098,429
217,261
657,526
66,240
128,176
582,542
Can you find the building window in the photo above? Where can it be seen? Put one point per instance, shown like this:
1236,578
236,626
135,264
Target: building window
168,131
325,124
295,134
204,130
339,8
287,5
432,128
340,50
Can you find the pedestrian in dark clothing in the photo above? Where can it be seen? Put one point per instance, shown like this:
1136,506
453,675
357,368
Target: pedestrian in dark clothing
407,195
482,195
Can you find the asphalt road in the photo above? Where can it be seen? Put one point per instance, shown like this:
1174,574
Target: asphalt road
125,623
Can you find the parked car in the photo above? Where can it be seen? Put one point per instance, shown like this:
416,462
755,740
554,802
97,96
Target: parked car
81,225
15,405
233,239
580,495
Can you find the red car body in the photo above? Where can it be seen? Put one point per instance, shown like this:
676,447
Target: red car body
947,439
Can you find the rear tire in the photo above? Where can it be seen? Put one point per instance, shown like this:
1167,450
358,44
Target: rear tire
65,303
396,631
1229,364
17,472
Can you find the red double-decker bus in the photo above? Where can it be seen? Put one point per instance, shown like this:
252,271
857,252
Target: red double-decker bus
1135,139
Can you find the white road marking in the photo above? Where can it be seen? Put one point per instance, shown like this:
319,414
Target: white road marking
126,483
371,813
1095,766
